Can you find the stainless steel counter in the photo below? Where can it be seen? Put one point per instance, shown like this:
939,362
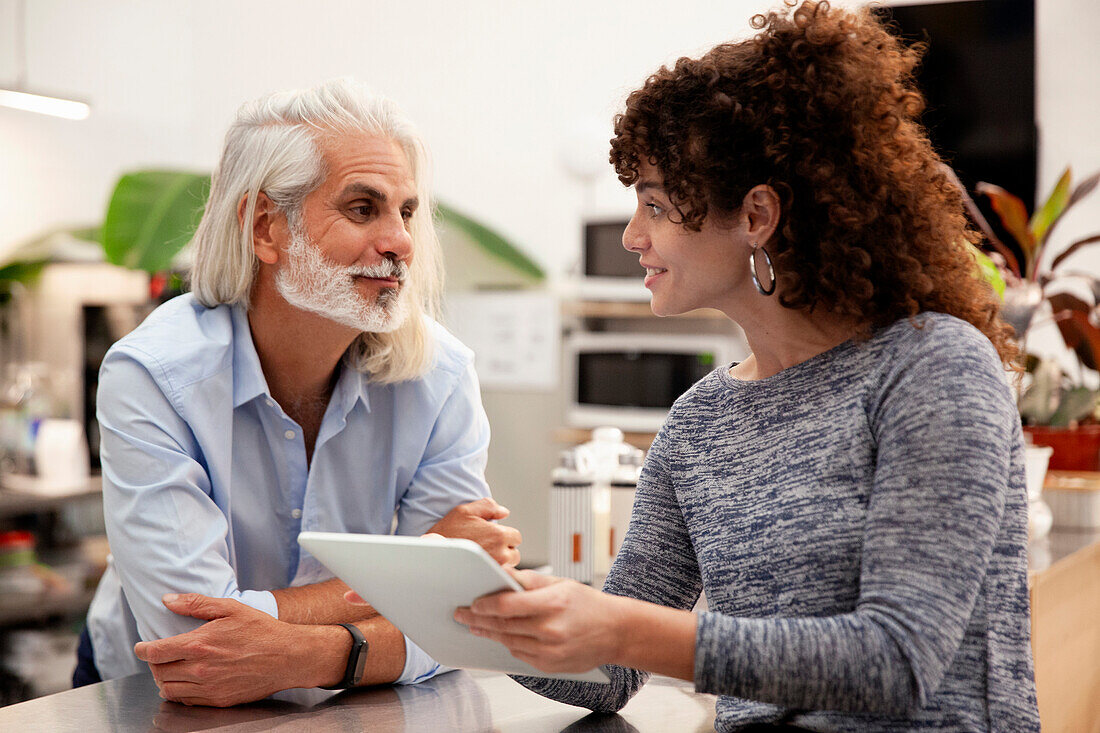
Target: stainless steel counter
457,701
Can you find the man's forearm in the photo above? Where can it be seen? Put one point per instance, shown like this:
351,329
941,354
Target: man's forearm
242,654
329,657
319,603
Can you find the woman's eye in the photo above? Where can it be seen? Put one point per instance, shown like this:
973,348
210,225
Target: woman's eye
655,210
406,214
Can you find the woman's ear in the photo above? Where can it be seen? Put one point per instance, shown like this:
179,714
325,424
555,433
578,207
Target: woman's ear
762,210
263,242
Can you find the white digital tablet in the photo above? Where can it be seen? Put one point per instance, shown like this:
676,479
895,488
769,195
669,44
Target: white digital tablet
417,583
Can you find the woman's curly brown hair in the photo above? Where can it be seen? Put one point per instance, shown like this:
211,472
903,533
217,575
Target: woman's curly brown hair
821,106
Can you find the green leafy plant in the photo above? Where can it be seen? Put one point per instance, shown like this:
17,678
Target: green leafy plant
1053,397
490,242
151,216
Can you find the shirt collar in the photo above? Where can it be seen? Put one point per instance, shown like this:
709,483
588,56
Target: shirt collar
351,387
248,378
249,381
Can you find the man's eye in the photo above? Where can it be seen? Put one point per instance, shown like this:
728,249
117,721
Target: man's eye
655,210
363,210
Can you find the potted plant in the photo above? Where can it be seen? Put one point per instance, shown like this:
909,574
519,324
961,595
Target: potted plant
1059,407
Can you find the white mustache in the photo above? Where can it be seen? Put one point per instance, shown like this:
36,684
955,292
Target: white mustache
385,268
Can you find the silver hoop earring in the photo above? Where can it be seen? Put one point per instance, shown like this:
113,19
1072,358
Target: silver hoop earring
771,272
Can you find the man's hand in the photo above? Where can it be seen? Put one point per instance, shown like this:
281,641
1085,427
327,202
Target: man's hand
474,521
239,655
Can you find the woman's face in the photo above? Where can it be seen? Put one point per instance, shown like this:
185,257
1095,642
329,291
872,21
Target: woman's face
685,270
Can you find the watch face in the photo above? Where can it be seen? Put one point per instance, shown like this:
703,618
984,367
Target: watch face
360,663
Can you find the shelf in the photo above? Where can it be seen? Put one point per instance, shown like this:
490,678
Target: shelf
13,503
573,436
43,606
621,309
1072,480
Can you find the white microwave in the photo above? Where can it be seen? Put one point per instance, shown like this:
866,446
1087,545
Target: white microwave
630,380
608,270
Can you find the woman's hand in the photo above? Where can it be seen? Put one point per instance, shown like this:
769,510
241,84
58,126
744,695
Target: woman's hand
557,625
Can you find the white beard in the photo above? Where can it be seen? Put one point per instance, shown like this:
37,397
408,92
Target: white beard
311,282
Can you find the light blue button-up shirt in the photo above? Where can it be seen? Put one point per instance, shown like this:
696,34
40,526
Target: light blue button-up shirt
206,483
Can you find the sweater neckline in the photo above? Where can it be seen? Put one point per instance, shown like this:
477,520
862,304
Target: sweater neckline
815,362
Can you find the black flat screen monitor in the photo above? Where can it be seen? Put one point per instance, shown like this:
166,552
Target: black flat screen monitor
978,76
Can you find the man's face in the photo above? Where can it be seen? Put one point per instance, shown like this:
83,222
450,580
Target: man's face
349,258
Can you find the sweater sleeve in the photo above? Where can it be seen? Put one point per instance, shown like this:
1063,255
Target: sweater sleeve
655,563
944,426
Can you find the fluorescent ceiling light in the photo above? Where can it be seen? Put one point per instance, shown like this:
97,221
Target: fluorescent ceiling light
68,109
15,95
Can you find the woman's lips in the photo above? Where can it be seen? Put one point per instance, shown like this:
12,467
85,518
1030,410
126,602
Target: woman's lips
652,273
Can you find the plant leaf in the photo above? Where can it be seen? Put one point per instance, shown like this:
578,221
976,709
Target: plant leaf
151,216
1073,248
88,234
1013,215
1045,216
23,272
1084,188
1072,316
490,242
978,218
1040,401
1076,404
988,271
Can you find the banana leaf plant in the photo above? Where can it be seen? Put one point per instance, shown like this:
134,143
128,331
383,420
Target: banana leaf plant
1053,397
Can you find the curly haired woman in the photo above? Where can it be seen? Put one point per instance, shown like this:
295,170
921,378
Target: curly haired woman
851,496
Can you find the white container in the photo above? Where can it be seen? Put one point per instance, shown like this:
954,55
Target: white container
1075,507
1039,516
623,487
590,505
573,521
1037,458
61,454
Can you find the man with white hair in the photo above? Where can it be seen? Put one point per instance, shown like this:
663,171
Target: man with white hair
301,385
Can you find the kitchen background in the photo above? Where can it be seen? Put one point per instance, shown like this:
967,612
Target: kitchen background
515,100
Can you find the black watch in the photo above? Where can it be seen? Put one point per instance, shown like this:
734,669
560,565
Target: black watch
357,660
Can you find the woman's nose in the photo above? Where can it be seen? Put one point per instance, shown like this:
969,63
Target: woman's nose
633,237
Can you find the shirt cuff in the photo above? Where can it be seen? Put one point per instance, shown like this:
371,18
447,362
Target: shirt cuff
261,600
418,665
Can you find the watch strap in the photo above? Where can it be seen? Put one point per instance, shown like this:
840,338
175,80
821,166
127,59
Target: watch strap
357,659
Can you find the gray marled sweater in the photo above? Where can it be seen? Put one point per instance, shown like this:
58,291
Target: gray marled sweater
859,524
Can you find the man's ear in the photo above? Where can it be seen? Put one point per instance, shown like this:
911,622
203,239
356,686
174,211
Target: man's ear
263,217
762,209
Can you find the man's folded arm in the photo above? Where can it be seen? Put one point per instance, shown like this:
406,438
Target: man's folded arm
166,533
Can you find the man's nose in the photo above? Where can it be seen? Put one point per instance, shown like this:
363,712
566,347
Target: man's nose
393,239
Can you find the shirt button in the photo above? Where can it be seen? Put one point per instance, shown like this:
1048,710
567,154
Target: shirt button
289,435
270,403
297,514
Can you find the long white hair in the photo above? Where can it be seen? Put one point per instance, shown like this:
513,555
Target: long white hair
272,146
